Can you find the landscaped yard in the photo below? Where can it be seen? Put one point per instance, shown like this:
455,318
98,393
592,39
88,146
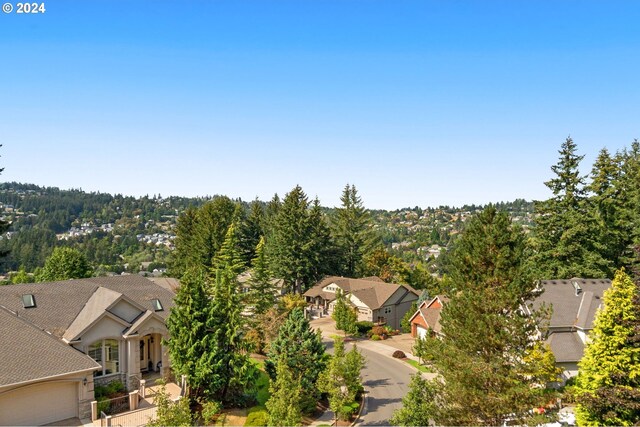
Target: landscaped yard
418,366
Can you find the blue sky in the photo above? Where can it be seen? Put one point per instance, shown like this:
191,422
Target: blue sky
416,103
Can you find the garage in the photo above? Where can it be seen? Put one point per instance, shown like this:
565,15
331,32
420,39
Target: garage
39,404
421,331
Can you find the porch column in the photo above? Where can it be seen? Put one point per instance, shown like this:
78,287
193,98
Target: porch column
164,371
133,363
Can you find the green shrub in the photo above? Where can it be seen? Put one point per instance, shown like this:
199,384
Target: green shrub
257,416
210,411
378,330
375,337
364,326
115,387
346,411
103,404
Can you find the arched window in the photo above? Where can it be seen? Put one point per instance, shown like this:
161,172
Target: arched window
107,354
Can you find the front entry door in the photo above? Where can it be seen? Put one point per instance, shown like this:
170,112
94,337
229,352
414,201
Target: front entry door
145,351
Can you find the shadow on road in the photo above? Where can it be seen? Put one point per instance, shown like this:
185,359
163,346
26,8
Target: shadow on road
377,382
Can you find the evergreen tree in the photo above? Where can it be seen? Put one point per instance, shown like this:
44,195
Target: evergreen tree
298,246
301,350
251,231
284,404
405,325
65,264
262,289
205,330
480,362
182,257
192,347
352,232
564,243
608,383
630,194
229,255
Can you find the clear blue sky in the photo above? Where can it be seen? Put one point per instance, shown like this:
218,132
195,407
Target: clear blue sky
416,103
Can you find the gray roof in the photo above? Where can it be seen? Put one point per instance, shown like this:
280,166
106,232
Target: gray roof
58,304
574,301
371,291
566,346
22,346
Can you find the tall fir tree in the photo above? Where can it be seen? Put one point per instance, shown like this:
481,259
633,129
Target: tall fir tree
229,256
298,246
192,347
608,201
484,371
630,215
344,314
608,383
262,288
564,243
300,348
252,230
352,232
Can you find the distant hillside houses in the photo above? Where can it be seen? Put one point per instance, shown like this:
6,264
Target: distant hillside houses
85,228
157,239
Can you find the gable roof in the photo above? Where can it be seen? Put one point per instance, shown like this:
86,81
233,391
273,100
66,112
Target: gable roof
59,304
574,301
20,341
371,291
431,314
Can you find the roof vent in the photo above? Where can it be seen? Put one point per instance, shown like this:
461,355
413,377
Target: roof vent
576,285
28,301
157,305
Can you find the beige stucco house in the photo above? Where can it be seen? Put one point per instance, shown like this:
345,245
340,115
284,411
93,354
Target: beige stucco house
59,339
375,300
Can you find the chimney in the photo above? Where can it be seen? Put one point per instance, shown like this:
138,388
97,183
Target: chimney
576,285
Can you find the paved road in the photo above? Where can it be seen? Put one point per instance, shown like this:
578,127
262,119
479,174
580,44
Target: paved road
387,382
385,379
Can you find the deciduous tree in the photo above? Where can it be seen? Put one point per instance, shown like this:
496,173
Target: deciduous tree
64,264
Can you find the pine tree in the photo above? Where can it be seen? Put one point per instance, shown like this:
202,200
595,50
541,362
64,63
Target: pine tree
262,289
564,243
352,232
608,383
630,193
284,404
301,349
485,335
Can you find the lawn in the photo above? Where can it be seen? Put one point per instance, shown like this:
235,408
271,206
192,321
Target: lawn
418,366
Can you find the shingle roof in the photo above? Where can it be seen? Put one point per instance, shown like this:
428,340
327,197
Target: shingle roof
21,346
566,346
572,308
371,291
58,304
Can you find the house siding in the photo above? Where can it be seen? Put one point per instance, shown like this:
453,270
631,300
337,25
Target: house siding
417,321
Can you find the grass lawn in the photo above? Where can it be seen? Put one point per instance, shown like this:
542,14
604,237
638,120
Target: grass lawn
418,366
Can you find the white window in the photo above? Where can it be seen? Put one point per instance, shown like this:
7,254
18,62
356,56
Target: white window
107,354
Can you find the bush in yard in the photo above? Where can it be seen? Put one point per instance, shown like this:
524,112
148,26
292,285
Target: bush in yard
257,416
399,354
346,411
210,411
375,337
378,330
364,326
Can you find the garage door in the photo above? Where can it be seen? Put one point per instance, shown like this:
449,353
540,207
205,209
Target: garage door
39,404
422,332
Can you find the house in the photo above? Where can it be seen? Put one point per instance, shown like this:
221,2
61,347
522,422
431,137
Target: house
574,303
427,317
60,339
375,300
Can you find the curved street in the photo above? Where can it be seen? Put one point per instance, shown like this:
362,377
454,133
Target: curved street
386,380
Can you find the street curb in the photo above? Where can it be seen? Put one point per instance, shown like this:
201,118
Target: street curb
364,402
